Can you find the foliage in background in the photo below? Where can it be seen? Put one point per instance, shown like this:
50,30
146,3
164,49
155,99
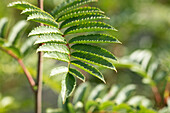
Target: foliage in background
104,99
12,40
7,104
145,64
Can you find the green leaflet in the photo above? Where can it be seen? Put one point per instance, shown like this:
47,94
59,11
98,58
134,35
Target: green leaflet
76,73
3,23
44,30
80,92
124,93
94,94
57,55
94,38
27,45
71,108
93,59
15,32
22,5
91,104
83,18
111,94
53,47
68,5
93,50
62,70
90,69
89,27
40,18
106,105
78,12
14,50
2,41
68,86
50,38
35,11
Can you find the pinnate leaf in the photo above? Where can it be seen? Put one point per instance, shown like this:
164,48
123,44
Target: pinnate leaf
57,55
39,17
93,59
79,11
62,70
22,5
78,74
68,5
27,45
54,47
50,38
88,68
94,38
15,32
30,11
82,18
3,24
44,30
96,92
80,92
93,50
89,27
68,86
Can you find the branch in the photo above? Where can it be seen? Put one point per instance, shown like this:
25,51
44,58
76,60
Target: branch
39,72
167,91
27,73
157,96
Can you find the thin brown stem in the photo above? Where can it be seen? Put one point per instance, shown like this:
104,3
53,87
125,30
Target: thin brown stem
39,73
167,91
29,77
157,95
39,83
27,73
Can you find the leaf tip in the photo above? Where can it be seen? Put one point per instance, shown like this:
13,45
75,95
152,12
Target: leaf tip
115,29
37,51
107,17
64,100
104,81
115,70
10,5
29,34
119,42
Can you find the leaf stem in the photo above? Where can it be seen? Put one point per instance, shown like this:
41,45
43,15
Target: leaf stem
167,91
157,95
69,55
19,60
38,94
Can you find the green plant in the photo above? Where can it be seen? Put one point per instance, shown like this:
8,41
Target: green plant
58,38
103,99
7,103
148,67
13,45
54,44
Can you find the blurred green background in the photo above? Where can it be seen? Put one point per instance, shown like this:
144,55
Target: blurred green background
141,24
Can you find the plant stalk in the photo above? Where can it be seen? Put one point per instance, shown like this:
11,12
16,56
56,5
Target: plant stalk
39,73
157,95
167,91
27,73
